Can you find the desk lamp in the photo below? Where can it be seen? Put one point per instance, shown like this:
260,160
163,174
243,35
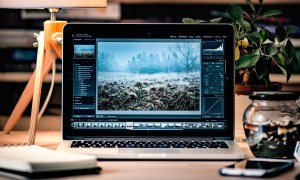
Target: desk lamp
49,47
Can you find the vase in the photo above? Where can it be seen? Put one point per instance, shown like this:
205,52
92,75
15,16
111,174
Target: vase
272,124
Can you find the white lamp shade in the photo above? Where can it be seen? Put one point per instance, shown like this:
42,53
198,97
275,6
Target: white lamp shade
32,4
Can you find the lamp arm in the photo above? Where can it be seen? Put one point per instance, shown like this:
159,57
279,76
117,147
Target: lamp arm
37,87
25,98
50,28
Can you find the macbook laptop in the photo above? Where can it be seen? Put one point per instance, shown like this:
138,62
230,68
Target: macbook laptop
149,91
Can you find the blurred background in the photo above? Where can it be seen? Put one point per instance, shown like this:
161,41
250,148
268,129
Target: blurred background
17,55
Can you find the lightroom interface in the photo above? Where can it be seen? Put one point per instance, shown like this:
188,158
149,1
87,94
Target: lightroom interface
144,84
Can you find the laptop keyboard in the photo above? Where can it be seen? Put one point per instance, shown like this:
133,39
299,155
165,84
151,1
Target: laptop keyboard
149,144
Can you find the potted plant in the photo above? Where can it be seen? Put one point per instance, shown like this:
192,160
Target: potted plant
257,47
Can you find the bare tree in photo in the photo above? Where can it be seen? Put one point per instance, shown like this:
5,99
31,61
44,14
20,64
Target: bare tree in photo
187,54
167,61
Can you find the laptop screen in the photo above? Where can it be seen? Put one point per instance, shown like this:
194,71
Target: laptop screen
162,83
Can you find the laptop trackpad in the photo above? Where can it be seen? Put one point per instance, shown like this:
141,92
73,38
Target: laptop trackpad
149,151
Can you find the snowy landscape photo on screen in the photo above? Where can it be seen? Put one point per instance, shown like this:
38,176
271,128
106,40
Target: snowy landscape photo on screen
84,51
148,76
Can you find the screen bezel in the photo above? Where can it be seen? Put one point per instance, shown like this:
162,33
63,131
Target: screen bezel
147,31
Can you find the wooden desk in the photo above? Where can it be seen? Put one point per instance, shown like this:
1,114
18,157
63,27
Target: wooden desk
135,170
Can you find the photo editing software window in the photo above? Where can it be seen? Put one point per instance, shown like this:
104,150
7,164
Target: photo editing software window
175,83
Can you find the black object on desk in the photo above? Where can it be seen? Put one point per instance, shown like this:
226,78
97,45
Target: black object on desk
56,174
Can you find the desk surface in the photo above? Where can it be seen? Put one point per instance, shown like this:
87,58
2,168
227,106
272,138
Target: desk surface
133,170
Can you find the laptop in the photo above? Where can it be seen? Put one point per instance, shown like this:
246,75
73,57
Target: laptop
149,91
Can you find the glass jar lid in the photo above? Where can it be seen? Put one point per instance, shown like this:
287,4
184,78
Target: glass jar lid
273,95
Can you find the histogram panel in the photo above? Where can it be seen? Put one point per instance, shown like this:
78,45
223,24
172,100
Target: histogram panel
213,48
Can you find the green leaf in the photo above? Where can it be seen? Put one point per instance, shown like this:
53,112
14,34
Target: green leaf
263,36
197,21
270,36
262,68
247,61
249,2
235,12
188,20
292,67
290,29
215,20
236,29
242,35
293,63
244,24
271,13
286,73
256,52
270,50
281,59
253,37
280,33
296,60
290,49
192,21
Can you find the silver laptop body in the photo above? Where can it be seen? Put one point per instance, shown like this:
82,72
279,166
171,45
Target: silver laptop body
149,91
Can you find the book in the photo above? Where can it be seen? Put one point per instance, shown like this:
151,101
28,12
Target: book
36,161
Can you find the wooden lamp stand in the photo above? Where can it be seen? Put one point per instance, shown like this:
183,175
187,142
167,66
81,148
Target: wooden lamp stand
49,49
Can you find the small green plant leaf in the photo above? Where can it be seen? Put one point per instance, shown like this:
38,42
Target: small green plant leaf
188,20
215,20
270,50
286,73
244,24
247,61
271,36
197,21
271,13
281,33
249,2
262,68
236,29
235,12
290,49
192,21
253,37
290,29
296,60
256,52
242,35
263,36
293,64
281,59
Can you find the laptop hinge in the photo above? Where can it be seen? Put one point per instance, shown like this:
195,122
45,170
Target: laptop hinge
159,138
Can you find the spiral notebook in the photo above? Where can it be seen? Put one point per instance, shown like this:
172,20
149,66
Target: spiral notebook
36,162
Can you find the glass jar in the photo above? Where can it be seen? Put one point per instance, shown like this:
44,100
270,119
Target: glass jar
272,124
